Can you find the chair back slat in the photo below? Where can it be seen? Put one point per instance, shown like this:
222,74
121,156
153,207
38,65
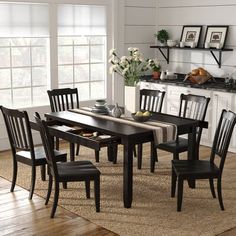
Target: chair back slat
222,137
47,144
151,100
194,107
63,99
18,129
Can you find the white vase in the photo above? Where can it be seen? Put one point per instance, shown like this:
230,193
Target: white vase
132,94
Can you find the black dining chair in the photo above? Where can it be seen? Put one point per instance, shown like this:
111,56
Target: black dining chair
193,107
62,100
152,101
206,169
22,146
67,171
68,98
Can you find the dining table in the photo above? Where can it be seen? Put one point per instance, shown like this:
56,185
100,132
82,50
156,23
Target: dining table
129,135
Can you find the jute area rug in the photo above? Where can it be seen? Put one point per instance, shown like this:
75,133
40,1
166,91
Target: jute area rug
153,211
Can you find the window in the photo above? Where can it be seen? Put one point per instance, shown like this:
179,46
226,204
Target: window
24,47
82,49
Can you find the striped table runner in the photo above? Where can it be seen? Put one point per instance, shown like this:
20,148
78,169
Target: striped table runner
162,131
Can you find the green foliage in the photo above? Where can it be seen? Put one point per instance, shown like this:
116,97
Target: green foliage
162,36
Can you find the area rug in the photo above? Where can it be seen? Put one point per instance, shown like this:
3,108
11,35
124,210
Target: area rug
153,211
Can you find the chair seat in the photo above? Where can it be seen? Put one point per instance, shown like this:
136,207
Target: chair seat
76,170
173,146
25,156
196,169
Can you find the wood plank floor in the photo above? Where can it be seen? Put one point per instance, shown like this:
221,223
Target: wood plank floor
20,216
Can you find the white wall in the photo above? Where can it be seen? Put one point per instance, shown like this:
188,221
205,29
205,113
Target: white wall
173,14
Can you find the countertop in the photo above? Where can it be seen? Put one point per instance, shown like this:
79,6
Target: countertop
217,84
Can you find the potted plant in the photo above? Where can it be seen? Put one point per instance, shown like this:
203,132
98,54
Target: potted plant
154,65
162,36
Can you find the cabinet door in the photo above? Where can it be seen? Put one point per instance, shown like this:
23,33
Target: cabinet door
145,85
220,101
173,98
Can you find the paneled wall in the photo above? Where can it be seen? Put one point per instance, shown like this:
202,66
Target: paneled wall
172,15
140,25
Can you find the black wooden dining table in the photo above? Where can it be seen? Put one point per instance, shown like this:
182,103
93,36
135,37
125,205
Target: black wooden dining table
129,136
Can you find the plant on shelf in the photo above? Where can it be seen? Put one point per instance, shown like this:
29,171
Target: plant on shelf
162,36
154,65
131,67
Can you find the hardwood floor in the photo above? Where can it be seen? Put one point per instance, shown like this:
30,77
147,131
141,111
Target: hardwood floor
20,216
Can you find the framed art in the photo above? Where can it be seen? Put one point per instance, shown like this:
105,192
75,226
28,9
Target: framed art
216,35
191,35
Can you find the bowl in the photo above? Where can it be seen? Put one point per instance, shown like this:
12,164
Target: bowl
140,118
171,43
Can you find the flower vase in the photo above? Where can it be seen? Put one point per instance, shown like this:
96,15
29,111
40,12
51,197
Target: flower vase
132,94
156,75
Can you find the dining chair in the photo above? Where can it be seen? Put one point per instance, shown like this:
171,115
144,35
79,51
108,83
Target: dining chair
68,98
67,171
193,107
22,146
206,169
152,101
61,100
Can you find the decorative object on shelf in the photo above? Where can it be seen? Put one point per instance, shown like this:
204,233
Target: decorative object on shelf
216,36
162,36
171,43
116,111
163,75
182,44
207,45
154,65
190,34
131,67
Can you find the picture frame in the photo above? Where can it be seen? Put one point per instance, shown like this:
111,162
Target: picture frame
191,35
216,36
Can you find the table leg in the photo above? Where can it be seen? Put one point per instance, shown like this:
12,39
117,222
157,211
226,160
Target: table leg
192,152
128,174
72,151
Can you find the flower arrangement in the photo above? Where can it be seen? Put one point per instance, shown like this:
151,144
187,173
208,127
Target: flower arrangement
131,67
154,65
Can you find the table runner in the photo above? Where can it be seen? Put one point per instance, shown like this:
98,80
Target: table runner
162,131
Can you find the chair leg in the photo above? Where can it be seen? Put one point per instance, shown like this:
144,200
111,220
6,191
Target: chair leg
33,177
153,157
57,143
180,193
97,193
77,149
15,168
134,152
173,183
110,152
176,156
211,182
64,184
87,188
115,150
55,201
139,156
220,193
43,172
49,189
97,156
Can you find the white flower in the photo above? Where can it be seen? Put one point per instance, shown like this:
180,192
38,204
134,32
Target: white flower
130,49
123,58
112,69
124,71
112,51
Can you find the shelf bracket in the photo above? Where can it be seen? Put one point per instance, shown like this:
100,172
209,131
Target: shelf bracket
218,61
167,55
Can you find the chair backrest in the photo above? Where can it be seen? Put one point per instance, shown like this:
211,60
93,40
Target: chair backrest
18,130
151,100
222,137
47,142
63,99
194,107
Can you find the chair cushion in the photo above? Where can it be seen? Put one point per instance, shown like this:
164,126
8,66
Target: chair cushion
173,146
77,170
196,169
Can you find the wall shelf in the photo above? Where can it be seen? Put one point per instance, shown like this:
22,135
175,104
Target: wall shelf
165,51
